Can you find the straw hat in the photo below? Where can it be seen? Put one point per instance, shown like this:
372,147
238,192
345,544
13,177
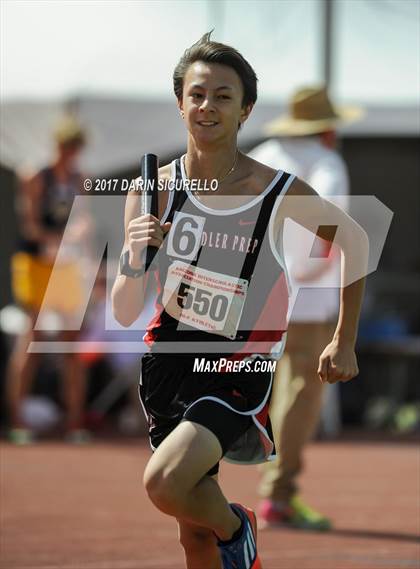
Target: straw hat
311,112
68,130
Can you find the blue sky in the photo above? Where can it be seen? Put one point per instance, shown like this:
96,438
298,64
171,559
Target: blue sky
57,49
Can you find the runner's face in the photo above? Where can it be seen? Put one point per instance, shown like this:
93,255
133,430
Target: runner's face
212,102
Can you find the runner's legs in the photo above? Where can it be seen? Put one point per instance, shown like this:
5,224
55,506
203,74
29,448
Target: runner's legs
200,545
176,481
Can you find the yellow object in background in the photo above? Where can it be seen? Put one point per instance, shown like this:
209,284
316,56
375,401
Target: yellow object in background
31,276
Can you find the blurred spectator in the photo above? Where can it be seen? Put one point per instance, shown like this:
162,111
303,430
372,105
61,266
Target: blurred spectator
124,364
309,151
45,200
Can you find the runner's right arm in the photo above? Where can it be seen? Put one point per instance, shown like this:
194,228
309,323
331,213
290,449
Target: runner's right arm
140,231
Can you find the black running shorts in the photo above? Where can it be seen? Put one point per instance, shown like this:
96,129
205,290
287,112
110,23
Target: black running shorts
168,391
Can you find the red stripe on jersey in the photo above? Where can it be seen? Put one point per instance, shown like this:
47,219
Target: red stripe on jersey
149,337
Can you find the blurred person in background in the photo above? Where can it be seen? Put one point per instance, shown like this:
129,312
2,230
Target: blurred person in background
45,200
307,149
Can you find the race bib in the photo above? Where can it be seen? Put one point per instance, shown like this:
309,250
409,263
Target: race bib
205,300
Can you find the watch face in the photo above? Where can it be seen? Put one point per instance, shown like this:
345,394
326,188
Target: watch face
136,273
125,268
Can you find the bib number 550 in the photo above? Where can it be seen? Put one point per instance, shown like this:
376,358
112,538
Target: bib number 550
202,302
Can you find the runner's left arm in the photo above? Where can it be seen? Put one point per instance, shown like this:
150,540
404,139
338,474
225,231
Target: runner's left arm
304,206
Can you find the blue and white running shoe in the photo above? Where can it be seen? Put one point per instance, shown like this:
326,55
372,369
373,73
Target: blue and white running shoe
242,553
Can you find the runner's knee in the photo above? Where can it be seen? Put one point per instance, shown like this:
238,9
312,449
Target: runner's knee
163,485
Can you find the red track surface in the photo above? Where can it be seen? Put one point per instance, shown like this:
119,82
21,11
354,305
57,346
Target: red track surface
84,508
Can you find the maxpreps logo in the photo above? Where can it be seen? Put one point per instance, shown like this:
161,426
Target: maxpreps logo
203,365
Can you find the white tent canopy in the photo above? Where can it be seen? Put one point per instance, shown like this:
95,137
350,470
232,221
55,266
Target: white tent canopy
121,130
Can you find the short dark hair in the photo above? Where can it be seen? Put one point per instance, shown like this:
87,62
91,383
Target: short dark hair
213,52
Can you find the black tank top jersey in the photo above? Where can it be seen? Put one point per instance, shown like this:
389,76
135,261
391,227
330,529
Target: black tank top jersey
220,277
55,205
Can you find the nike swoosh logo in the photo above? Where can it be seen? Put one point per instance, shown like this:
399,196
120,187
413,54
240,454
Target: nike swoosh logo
242,222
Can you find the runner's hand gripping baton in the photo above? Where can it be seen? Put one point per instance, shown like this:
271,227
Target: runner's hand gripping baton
149,174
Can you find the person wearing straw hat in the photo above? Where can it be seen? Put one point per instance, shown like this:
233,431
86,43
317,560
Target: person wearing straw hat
45,201
303,142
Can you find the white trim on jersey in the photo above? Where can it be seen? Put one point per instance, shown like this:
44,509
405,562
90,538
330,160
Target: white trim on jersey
279,255
244,207
171,193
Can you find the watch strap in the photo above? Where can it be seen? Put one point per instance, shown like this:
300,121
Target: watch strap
125,268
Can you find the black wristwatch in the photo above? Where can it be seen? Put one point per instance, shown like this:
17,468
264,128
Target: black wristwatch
125,268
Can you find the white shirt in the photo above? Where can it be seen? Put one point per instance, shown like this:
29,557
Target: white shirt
325,171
